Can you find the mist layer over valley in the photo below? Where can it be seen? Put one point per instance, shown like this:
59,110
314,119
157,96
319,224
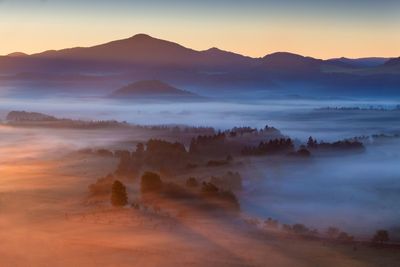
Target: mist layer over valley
355,192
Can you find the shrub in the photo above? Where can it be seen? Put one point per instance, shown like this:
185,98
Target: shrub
332,232
300,229
381,236
150,182
230,197
192,182
270,223
344,237
118,194
209,188
228,181
102,186
287,228
174,190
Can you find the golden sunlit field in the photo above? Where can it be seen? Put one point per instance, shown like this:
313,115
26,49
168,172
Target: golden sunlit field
48,220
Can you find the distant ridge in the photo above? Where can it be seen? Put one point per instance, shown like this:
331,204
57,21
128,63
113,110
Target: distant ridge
146,51
15,116
151,89
17,54
361,62
284,61
393,62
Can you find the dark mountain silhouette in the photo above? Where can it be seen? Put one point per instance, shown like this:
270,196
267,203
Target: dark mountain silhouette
226,57
283,61
17,54
393,62
366,62
140,48
151,88
289,62
15,116
138,51
142,57
145,50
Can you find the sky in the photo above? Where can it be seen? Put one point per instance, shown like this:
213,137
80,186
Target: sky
318,28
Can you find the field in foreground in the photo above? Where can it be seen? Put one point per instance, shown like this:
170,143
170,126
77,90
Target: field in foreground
45,222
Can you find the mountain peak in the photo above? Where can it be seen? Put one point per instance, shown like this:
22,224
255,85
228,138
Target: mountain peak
17,54
213,49
151,85
284,55
289,62
141,36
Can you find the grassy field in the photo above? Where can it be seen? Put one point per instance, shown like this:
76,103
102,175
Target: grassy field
46,221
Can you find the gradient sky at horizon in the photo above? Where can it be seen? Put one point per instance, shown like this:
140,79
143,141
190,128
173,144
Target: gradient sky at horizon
319,28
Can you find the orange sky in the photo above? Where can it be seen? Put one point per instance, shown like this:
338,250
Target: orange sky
254,30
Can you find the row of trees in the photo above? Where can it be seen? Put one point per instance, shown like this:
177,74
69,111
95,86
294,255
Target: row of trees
338,145
152,183
240,131
332,233
272,147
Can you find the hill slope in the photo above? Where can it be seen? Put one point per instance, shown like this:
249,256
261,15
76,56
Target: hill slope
393,62
151,89
145,50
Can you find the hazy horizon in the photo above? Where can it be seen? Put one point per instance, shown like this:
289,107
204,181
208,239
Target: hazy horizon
155,37
322,29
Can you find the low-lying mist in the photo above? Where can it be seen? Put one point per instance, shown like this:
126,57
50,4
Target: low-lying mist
358,193
294,117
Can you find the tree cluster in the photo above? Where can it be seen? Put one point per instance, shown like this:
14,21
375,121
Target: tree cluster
338,145
119,196
272,147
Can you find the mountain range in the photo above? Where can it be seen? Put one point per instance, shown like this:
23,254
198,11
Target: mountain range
142,49
142,57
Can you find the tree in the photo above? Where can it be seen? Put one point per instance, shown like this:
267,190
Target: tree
150,182
311,143
270,223
287,228
193,146
229,197
345,237
192,182
118,194
140,148
332,232
300,229
124,165
209,188
381,236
